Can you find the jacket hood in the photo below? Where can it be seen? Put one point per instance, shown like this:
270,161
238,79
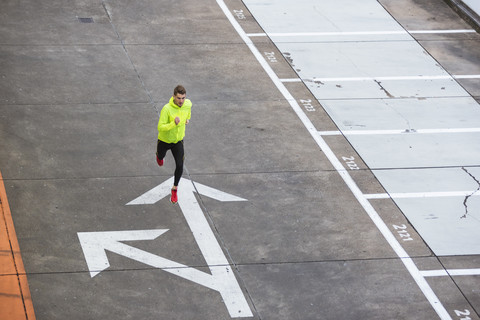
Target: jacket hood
173,103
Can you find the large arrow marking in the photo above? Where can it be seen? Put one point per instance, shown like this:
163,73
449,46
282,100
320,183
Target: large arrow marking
221,279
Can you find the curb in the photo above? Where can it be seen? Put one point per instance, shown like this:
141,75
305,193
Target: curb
15,298
467,14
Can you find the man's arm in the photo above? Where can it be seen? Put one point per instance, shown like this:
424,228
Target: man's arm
163,123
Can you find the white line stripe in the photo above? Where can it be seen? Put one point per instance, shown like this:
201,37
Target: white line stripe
373,132
451,272
256,34
394,78
399,131
434,273
346,33
291,80
377,196
467,76
405,195
330,133
443,31
382,227
356,33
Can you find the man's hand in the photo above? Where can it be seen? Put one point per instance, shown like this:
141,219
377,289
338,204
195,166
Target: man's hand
177,120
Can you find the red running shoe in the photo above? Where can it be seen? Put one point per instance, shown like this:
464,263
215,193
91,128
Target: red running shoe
160,162
174,198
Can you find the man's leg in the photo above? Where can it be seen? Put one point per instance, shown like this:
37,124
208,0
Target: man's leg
179,156
162,148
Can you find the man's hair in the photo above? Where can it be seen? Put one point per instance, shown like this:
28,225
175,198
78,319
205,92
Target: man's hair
179,89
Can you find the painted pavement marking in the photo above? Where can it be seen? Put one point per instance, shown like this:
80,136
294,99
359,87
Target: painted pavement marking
384,78
397,131
357,33
222,277
451,272
405,195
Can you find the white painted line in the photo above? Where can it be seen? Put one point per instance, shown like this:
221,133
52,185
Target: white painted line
443,31
330,133
434,273
451,272
357,33
291,80
399,131
406,195
382,227
393,78
373,196
375,132
467,76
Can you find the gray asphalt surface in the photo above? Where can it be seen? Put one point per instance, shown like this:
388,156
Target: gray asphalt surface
79,105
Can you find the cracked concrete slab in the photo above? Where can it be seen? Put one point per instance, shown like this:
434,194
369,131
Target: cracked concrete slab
465,202
403,114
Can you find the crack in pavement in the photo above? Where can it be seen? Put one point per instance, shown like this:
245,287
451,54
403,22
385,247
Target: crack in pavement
383,89
392,107
467,197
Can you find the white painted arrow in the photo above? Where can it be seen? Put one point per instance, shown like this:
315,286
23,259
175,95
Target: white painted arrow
94,245
185,186
221,279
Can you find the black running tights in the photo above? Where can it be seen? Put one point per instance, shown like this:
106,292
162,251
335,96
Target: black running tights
178,155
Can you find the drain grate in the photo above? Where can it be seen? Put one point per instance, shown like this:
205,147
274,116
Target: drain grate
85,20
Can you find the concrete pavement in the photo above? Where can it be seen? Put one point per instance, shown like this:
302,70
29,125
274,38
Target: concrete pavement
79,104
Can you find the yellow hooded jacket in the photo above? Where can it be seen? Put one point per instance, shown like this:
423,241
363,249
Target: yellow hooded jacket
168,131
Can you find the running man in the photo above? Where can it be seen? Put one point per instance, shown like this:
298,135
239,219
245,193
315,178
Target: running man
171,131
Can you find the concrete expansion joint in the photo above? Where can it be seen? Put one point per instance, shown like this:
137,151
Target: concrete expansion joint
107,11
468,196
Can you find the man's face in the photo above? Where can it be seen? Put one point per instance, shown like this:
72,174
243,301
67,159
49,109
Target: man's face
179,99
